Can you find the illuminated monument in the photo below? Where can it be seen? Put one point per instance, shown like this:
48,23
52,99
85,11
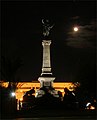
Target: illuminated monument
46,78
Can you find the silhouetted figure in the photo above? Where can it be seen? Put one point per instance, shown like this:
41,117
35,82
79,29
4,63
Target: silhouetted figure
69,99
30,91
29,99
60,95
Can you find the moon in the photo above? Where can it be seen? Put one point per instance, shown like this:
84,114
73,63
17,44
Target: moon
75,29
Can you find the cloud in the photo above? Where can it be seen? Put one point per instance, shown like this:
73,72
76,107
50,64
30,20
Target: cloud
84,38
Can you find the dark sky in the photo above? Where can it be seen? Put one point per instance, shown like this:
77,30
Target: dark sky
73,55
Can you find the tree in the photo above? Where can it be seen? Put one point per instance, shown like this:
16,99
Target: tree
8,70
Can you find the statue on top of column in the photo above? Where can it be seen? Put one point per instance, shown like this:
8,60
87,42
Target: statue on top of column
46,27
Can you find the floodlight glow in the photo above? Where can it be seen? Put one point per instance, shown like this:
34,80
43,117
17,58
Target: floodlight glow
92,107
12,94
21,99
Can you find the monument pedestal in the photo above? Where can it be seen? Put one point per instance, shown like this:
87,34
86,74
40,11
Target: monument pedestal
46,83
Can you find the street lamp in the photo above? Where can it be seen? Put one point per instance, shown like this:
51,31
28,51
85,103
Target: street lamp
13,94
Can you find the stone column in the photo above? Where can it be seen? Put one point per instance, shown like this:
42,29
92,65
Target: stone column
46,78
46,65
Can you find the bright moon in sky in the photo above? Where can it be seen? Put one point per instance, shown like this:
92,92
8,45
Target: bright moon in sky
75,29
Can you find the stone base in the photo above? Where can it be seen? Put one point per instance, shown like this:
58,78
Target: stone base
46,81
46,86
40,93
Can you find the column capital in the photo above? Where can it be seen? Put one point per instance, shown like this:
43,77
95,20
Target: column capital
46,42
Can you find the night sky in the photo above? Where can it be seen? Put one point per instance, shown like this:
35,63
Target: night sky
73,55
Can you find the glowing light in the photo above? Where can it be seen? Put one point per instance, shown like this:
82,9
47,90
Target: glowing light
4,84
75,29
92,107
73,93
12,94
23,87
88,104
21,99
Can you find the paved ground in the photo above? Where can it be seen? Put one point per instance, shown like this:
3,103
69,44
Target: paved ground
59,118
52,115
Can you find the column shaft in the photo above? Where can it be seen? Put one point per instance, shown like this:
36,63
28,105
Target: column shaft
46,65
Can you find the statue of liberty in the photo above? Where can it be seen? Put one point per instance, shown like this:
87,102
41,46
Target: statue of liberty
46,27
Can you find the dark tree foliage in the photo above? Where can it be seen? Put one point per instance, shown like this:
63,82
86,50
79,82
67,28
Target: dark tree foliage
9,69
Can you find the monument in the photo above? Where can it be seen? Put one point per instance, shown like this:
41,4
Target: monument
46,78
